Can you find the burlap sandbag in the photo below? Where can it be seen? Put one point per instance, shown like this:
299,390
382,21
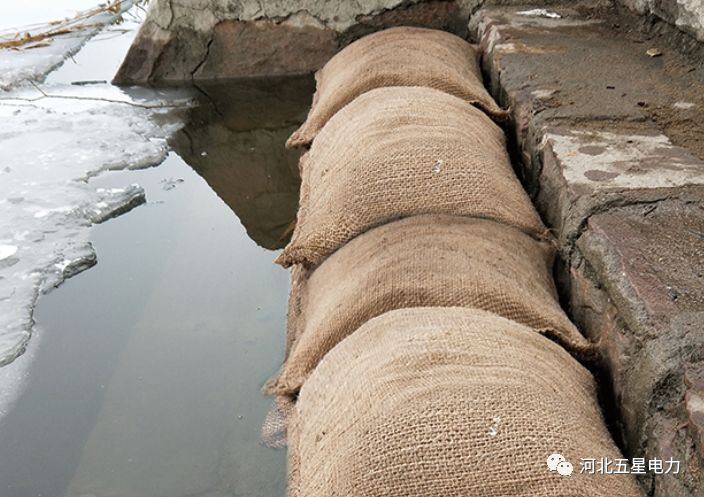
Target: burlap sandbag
432,260
399,152
403,56
448,403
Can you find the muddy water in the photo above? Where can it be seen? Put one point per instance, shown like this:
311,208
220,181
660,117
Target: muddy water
146,377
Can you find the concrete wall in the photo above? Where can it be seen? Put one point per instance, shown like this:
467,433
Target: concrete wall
218,39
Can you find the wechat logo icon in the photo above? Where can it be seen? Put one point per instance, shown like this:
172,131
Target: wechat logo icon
557,463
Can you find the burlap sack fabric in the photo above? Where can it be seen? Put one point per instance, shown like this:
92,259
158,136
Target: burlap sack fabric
274,431
448,403
403,56
432,260
400,152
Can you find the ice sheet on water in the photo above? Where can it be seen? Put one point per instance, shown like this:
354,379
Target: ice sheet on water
49,150
14,376
34,63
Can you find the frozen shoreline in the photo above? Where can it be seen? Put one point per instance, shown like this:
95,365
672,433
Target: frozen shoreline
49,148
54,139
35,62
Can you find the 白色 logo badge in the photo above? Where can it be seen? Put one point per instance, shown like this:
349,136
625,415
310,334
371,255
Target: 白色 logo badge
557,463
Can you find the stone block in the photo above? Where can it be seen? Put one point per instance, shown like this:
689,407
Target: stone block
237,49
637,287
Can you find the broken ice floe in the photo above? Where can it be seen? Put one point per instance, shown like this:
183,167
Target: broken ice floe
14,376
7,251
49,150
34,60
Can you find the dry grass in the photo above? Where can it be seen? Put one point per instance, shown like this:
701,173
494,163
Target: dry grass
41,35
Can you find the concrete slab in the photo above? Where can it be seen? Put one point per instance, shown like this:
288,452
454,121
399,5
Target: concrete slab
651,258
586,95
602,161
637,287
586,171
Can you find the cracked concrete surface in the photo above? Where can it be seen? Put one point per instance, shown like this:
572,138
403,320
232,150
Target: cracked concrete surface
173,44
599,160
578,85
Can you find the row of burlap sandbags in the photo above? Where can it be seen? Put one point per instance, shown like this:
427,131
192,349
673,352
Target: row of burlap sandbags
418,148
393,137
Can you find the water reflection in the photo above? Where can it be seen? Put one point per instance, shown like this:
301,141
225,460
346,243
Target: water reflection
235,141
148,375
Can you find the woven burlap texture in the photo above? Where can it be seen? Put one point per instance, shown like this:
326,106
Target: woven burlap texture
448,403
274,429
404,56
400,152
431,260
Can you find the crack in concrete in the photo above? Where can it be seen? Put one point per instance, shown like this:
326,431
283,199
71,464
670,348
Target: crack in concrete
205,56
169,26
